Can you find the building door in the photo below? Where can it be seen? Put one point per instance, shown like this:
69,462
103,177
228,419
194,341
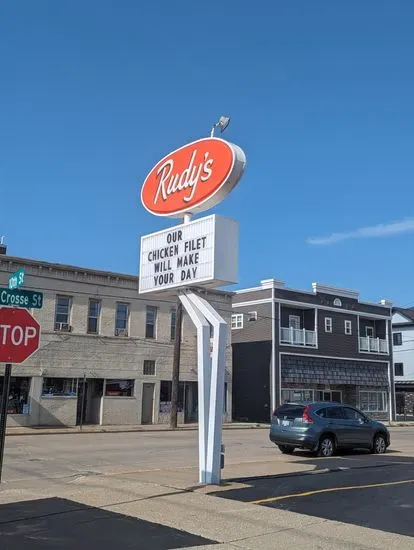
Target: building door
147,403
294,324
82,402
328,395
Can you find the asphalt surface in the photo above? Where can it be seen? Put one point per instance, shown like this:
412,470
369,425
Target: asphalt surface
56,456
56,523
379,496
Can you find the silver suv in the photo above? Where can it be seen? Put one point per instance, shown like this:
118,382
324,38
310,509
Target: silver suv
325,427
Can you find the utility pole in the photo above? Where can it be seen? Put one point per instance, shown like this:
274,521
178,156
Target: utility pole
176,366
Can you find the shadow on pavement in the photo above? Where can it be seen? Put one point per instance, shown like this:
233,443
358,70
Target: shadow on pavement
56,523
366,490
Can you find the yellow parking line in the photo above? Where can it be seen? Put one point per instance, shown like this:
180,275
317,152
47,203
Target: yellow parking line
330,490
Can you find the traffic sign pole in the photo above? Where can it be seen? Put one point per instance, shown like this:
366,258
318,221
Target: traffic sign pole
3,412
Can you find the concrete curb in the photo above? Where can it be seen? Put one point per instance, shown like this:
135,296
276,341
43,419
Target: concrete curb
125,429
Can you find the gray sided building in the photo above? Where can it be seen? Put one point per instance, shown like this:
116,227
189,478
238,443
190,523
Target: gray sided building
325,345
106,352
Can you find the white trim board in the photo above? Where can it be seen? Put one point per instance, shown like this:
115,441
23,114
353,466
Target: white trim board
310,306
331,357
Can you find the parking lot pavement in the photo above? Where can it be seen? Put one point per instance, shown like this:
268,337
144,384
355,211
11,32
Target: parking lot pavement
52,523
377,494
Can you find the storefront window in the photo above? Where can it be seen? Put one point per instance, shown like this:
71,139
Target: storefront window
165,396
18,402
373,401
294,396
60,387
119,388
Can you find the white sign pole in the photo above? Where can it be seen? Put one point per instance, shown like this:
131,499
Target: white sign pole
211,384
203,373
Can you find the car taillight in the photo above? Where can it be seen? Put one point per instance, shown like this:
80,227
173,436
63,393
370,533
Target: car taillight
306,417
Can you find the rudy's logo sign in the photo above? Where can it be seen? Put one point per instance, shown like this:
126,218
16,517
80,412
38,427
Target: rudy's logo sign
193,178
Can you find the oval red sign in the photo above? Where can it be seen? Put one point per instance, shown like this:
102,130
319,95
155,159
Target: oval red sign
193,178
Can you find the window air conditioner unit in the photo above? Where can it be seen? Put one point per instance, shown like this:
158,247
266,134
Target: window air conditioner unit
252,315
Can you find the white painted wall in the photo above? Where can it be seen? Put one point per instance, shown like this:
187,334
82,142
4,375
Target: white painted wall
405,353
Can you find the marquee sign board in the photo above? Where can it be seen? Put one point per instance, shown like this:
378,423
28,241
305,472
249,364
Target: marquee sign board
193,178
203,252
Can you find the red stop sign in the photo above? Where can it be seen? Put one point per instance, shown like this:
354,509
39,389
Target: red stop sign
19,335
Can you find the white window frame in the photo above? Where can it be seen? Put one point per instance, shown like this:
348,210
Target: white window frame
348,327
237,320
294,320
402,366
312,392
384,400
368,328
397,345
328,325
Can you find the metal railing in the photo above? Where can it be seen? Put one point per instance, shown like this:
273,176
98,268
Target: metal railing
373,345
297,337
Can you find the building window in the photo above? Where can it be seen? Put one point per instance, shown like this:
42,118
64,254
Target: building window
295,396
373,401
149,368
252,315
165,396
59,387
94,313
337,302
121,319
328,324
348,327
237,321
173,322
369,332
119,388
151,322
18,398
62,314
399,369
397,338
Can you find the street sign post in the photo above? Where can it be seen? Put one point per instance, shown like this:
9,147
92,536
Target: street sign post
16,279
21,298
19,339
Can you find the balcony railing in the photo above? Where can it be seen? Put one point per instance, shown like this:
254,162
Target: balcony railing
298,337
373,345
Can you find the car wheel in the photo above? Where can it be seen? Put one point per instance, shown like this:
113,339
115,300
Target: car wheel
326,446
286,449
379,445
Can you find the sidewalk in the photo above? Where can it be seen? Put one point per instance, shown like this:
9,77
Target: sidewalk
88,429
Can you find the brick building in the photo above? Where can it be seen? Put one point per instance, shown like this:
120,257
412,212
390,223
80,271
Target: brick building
325,345
106,352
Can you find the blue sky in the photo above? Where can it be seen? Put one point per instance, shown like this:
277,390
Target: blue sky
95,92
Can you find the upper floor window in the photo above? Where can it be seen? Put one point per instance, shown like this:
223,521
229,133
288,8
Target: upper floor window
121,319
237,321
94,312
149,367
369,332
62,314
399,369
173,322
328,324
397,338
151,322
348,327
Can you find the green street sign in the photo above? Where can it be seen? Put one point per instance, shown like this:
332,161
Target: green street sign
21,298
16,279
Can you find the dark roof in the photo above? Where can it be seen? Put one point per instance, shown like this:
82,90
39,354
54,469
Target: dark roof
407,312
